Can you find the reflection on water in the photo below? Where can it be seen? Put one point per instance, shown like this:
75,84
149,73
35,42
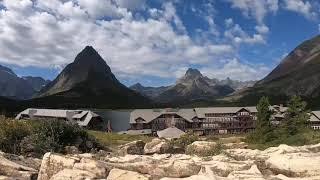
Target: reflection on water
119,118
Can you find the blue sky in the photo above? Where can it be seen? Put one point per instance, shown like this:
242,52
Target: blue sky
153,42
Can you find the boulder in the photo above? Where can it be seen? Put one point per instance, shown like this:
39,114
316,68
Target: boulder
72,174
241,145
119,174
157,165
98,168
54,163
158,146
15,170
201,147
24,161
251,174
135,147
182,168
225,168
71,150
194,177
295,164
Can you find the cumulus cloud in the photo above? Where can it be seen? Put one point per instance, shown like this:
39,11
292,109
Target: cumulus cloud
238,36
302,7
262,29
256,9
49,33
237,70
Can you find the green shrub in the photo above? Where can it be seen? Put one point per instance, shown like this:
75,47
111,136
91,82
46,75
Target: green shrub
55,135
184,140
11,133
38,137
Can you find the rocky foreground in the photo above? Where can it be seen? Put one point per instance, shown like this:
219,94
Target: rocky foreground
141,161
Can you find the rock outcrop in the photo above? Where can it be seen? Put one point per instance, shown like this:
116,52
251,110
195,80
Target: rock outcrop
278,163
14,167
135,147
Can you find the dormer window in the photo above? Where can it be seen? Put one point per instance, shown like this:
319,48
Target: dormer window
140,120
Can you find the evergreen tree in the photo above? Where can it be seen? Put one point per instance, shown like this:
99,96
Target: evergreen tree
296,116
263,131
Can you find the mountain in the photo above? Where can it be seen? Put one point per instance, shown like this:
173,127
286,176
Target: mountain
15,87
89,82
297,74
236,84
37,83
193,86
150,92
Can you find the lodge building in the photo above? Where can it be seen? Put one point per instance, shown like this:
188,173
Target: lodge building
203,121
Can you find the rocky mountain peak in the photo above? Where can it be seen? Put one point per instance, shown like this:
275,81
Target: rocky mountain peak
137,85
89,58
192,73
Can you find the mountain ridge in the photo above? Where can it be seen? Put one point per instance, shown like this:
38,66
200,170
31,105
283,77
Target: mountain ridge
15,87
190,87
88,82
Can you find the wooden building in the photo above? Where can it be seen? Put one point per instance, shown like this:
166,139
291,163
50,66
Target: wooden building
83,118
203,121
314,121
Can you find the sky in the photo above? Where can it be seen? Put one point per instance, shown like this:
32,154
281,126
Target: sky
155,41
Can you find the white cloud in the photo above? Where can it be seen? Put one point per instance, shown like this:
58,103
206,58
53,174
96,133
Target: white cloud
238,36
237,70
300,6
49,33
132,4
256,9
262,29
229,22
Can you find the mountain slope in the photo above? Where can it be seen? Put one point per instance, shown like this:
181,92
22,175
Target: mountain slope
12,86
89,82
297,74
37,83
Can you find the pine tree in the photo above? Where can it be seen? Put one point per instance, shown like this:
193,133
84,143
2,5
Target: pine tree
296,116
263,131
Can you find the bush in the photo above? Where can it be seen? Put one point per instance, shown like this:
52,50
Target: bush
55,135
11,133
38,137
184,140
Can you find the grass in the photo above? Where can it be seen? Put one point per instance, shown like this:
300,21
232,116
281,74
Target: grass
306,138
226,138
112,140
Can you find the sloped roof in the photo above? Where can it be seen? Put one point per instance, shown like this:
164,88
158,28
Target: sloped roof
48,112
282,109
150,114
60,113
315,116
202,111
171,132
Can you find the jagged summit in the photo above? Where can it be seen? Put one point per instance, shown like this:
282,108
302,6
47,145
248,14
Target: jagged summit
193,73
89,80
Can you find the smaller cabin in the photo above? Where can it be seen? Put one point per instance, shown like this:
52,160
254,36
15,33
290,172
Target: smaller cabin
314,121
83,118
